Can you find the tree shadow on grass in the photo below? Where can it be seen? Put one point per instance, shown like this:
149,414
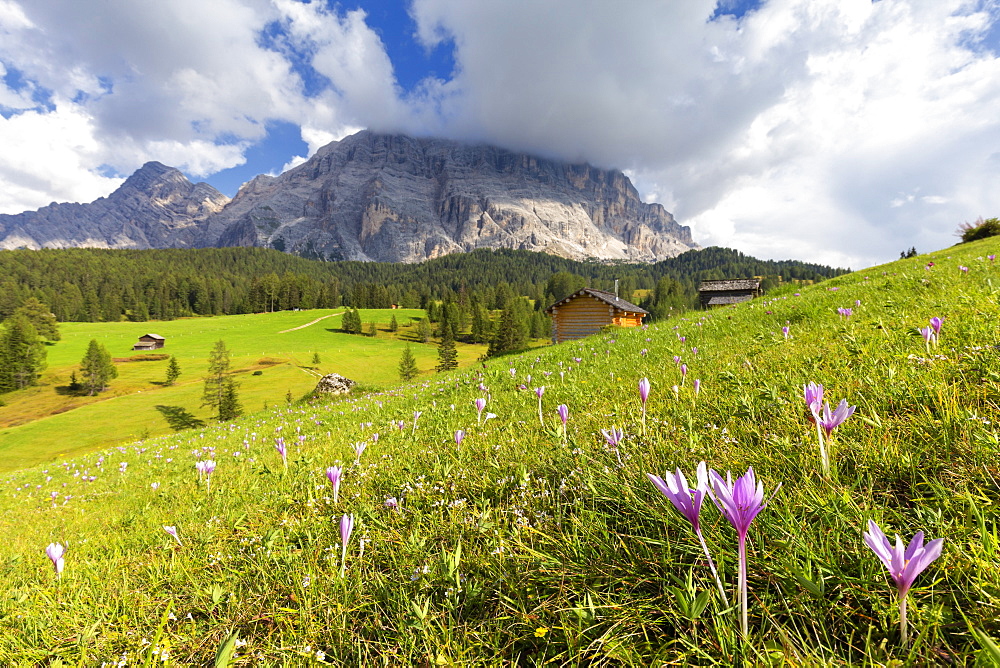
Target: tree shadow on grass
179,418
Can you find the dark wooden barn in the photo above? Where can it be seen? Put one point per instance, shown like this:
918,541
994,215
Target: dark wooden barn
149,342
733,291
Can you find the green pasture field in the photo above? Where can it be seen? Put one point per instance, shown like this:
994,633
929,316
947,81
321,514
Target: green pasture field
516,537
44,422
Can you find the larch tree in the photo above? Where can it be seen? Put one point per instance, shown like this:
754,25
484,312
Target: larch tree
215,381
173,370
97,368
407,364
22,354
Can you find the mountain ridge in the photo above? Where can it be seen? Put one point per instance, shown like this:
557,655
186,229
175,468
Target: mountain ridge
375,197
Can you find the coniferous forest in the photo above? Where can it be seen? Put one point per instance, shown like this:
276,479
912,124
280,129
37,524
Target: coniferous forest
92,285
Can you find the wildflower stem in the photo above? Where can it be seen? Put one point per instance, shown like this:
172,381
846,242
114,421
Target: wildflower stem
711,564
743,583
644,418
540,418
902,620
824,459
343,560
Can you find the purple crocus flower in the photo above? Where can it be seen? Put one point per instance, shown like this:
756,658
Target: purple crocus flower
903,563
697,386
684,373
563,411
688,502
936,323
814,397
539,391
480,405
206,467
784,330
831,421
334,475
173,532
928,335
459,436
346,527
55,552
359,449
739,502
613,436
279,445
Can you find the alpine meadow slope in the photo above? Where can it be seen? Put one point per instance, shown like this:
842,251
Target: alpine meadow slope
515,532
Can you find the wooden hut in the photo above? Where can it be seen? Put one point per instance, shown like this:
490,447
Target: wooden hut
149,342
721,293
586,311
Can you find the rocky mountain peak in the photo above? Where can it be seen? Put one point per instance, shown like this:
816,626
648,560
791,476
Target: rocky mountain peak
156,207
391,197
375,196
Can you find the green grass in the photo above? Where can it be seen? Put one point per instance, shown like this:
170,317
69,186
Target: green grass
44,423
528,546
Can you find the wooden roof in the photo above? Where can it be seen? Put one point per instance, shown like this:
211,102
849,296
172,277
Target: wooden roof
152,336
722,300
730,284
606,297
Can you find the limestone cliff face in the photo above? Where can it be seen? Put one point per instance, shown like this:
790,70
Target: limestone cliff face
393,198
156,207
388,198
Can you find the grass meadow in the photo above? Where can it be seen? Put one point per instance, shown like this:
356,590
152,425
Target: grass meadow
529,543
46,422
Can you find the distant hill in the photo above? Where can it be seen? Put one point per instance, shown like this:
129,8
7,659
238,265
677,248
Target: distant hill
375,197
93,284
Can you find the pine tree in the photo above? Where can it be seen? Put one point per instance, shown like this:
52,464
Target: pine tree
229,401
315,359
510,335
407,364
41,317
173,370
447,355
393,324
424,330
96,368
372,330
22,354
215,382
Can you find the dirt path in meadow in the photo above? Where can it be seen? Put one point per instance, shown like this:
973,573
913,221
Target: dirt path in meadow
285,331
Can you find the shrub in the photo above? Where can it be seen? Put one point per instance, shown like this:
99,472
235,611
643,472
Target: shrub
979,229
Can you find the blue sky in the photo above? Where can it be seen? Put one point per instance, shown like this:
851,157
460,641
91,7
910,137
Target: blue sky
837,131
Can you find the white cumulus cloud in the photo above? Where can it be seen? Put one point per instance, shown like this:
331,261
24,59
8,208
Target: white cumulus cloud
838,131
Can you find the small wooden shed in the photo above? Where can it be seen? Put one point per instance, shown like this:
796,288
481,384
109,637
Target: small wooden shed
149,342
587,310
734,291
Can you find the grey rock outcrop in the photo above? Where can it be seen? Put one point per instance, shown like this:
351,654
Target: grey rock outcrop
394,198
334,383
370,196
156,207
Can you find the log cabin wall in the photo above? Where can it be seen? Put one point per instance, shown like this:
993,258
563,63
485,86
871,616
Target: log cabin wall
581,317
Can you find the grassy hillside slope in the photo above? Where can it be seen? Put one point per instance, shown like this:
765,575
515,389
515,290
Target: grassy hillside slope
527,544
45,422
